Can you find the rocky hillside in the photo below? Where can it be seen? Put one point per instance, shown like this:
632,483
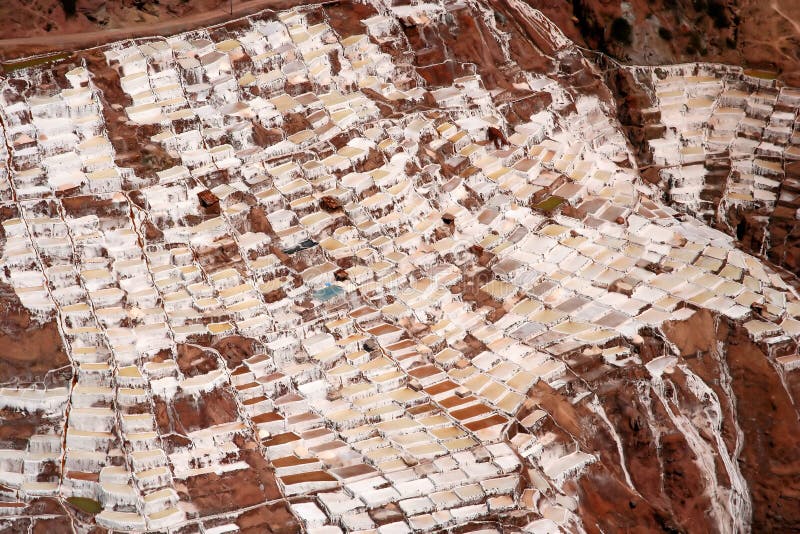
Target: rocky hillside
762,35
752,33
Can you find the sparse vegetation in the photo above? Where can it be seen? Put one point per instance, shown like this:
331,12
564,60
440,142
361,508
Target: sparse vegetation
622,31
70,7
716,10
696,45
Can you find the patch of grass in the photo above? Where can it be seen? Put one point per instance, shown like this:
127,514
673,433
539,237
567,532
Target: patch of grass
34,62
84,504
549,204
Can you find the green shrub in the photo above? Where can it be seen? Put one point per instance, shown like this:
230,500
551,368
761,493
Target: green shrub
621,31
716,10
696,44
69,7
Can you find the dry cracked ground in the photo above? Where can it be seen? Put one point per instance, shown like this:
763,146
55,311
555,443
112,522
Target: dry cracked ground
393,267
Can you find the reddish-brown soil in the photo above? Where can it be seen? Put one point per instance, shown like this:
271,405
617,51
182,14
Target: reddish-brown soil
766,413
215,494
17,427
41,515
194,361
694,337
190,413
49,525
769,419
607,505
345,18
30,350
234,349
272,518
670,487
44,515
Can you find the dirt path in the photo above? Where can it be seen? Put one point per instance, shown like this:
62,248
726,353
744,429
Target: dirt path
25,46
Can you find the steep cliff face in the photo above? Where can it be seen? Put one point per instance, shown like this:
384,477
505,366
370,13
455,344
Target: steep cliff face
760,413
697,431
